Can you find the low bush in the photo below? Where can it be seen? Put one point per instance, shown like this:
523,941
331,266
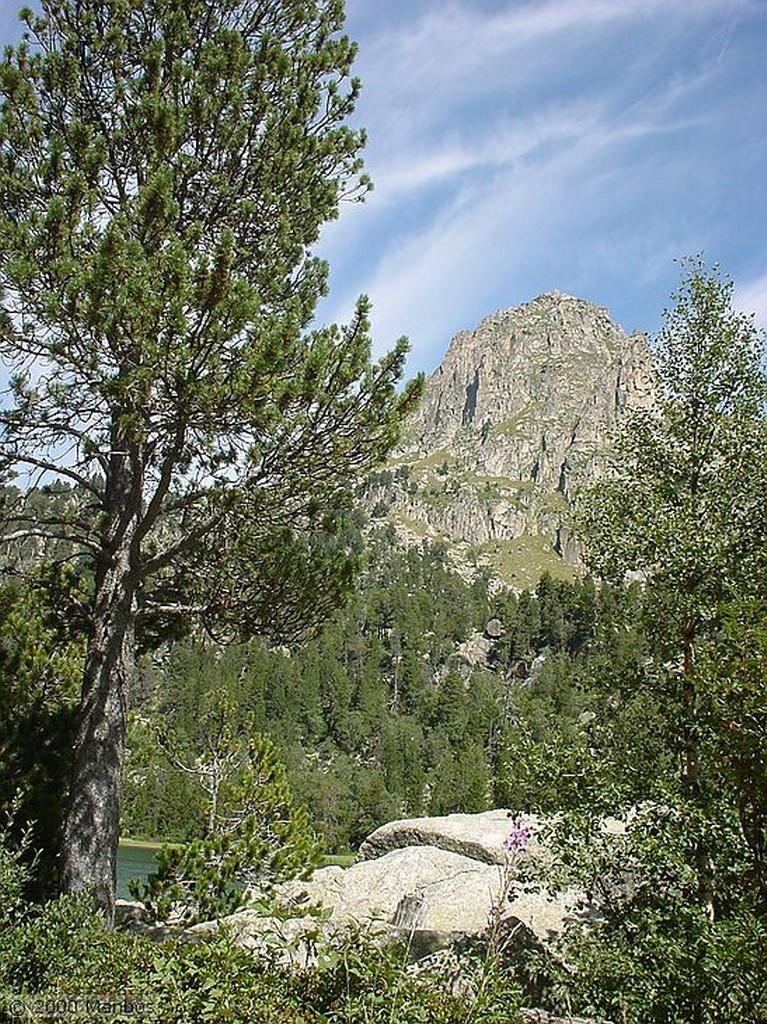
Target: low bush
62,955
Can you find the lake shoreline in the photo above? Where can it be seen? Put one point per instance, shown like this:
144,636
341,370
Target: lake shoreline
136,861
142,844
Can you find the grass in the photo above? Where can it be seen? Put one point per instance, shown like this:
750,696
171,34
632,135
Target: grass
521,562
142,844
410,524
514,425
341,860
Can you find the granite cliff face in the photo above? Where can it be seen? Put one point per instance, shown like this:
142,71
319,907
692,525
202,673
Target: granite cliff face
515,420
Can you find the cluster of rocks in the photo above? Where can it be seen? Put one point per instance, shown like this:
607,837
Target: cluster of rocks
439,884
427,881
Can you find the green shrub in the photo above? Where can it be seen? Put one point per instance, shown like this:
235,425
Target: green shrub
181,982
14,876
48,945
655,952
260,837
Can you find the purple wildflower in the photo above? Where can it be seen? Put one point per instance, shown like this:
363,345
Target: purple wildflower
517,839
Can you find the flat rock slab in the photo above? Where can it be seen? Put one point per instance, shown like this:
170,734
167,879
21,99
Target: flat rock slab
421,889
414,887
425,878
477,836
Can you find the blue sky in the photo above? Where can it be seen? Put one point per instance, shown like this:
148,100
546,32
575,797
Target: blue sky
519,147
579,145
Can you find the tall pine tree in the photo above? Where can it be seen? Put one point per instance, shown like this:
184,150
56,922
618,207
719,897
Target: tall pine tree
165,167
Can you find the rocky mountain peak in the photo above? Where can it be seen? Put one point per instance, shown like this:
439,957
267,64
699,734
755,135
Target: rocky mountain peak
543,361
515,419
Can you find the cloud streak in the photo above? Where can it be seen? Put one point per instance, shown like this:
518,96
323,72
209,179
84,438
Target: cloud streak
576,144
523,145
751,298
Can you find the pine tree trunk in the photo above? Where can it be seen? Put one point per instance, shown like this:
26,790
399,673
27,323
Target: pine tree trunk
91,831
91,827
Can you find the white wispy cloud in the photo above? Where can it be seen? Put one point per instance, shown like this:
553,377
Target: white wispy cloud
523,145
433,279
435,56
576,144
502,143
751,297
500,207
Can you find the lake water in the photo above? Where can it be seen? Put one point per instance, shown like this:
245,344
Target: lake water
138,862
133,862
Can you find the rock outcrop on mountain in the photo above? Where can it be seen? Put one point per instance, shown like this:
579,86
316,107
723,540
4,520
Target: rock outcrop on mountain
516,419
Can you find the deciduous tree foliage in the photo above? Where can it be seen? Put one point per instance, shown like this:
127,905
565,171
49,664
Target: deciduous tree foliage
165,166
734,722
687,507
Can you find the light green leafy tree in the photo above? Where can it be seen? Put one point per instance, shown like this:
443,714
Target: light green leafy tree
734,724
165,168
687,506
